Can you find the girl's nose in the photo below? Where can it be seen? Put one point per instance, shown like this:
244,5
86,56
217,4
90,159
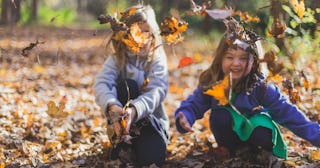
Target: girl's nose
236,62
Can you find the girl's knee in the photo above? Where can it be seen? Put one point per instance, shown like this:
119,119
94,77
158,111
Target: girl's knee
261,137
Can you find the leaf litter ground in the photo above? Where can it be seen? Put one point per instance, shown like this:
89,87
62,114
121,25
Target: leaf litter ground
48,117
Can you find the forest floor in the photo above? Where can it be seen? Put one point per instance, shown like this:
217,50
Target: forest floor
48,117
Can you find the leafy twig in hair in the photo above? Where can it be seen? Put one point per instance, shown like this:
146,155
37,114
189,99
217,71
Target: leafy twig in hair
115,24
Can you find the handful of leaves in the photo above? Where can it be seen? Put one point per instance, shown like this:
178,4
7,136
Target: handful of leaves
116,126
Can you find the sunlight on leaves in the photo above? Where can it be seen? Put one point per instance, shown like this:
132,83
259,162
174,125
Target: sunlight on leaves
218,91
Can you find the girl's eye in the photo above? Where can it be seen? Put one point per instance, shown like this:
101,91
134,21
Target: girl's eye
244,58
229,57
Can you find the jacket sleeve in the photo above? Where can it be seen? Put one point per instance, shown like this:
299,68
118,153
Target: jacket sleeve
105,85
289,116
155,91
193,108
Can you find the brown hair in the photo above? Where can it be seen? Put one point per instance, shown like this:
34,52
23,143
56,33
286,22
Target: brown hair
214,73
142,13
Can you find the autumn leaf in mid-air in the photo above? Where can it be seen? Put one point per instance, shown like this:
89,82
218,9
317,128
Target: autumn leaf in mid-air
246,18
197,9
219,13
294,95
171,29
136,39
277,29
185,61
273,65
56,111
218,91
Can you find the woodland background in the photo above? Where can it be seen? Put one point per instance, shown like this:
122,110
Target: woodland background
48,117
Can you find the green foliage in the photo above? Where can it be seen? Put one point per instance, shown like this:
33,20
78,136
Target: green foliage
297,24
59,17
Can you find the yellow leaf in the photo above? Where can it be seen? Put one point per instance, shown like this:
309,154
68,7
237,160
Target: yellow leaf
56,111
39,69
315,155
218,91
298,6
197,58
96,122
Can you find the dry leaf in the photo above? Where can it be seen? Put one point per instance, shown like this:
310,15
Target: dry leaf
56,111
315,155
185,61
218,91
171,29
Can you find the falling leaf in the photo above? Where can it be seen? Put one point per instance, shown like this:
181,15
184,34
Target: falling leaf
26,50
274,67
185,61
218,91
294,95
56,111
219,13
199,10
54,18
171,29
306,84
277,29
246,18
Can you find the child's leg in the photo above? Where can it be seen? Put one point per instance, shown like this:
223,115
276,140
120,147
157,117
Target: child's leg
261,137
149,147
221,126
125,86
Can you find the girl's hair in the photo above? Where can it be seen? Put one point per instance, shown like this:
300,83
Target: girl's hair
141,13
214,73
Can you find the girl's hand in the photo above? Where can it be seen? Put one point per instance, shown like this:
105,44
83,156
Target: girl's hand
184,122
116,109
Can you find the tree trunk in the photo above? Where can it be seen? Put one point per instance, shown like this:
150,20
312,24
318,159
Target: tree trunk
314,5
278,14
4,11
34,10
15,11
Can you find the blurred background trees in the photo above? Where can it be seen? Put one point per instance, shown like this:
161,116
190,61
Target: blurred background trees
83,13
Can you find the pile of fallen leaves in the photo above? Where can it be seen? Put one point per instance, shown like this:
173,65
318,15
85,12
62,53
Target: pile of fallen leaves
48,116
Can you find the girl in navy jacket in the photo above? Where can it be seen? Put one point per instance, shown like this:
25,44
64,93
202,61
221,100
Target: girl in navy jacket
254,106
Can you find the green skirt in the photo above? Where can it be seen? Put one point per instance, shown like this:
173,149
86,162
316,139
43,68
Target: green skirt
244,127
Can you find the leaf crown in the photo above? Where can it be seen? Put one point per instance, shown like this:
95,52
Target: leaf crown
237,35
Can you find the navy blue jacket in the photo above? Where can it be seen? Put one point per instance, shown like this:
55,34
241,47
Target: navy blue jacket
272,101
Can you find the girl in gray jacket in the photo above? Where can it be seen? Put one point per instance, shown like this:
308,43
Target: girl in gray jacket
134,82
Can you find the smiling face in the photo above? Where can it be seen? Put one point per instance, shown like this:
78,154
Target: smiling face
238,62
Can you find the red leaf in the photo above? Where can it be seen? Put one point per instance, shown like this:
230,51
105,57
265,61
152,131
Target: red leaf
185,61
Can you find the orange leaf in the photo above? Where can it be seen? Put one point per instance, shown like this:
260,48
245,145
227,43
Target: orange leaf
315,155
218,91
171,28
185,61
